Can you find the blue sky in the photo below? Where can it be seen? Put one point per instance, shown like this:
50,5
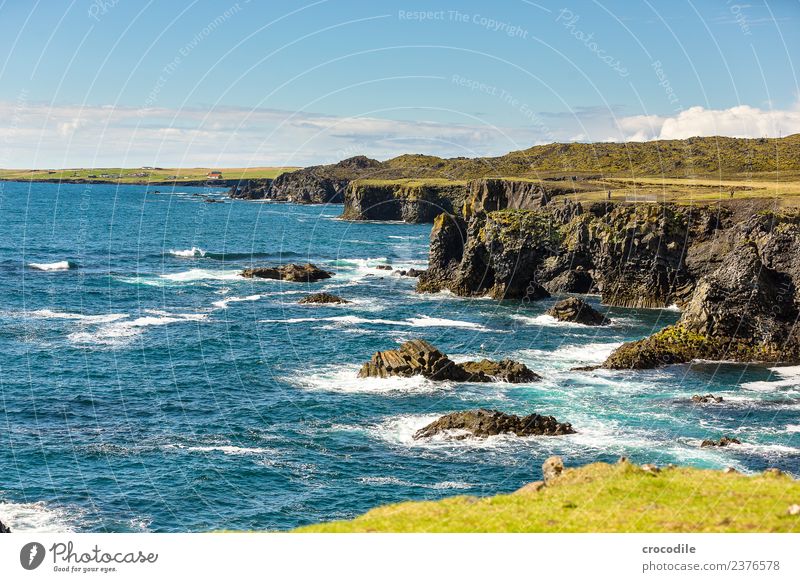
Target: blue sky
124,82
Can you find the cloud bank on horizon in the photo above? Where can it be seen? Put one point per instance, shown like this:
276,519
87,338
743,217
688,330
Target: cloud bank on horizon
41,136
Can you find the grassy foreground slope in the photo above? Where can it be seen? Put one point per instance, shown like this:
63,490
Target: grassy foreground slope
604,498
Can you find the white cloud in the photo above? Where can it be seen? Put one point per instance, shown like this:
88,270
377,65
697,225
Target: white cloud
740,121
40,136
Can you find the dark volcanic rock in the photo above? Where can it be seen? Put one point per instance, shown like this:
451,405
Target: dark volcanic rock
384,267
742,311
571,281
723,442
411,273
4,528
307,273
484,423
318,184
419,358
255,189
707,399
409,201
323,298
577,311
505,370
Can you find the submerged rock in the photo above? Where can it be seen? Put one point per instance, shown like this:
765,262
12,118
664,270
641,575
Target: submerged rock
419,358
723,442
707,399
411,273
505,370
577,311
384,267
484,423
307,273
323,298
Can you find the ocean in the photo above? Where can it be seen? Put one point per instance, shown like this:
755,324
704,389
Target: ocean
146,386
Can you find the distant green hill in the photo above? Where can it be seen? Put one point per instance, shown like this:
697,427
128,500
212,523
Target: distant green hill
697,156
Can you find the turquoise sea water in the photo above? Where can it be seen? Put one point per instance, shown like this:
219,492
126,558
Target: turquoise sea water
146,387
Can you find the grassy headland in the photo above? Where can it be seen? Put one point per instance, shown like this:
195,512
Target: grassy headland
604,498
139,175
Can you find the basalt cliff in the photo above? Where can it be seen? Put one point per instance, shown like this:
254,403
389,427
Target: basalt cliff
733,272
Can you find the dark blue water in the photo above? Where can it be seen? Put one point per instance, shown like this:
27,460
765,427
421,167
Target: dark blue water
146,387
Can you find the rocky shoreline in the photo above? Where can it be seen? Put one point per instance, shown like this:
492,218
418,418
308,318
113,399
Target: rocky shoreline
735,278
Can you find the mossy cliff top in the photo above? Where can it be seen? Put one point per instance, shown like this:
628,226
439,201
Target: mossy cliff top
604,498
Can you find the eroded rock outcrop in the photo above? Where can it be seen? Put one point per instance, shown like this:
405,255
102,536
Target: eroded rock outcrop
635,256
312,185
322,298
576,310
484,423
723,442
732,271
406,200
254,189
743,311
4,528
307,273
419,358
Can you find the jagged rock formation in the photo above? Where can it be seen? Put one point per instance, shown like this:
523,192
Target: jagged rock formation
409,201
745,310
4,528
483,423
423,200
577,310
735,276
255,189
419,358
307,273
723,442
322,298
635,256
707,399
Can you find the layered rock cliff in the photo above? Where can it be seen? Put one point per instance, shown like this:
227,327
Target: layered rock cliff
735,280
424,200
406,200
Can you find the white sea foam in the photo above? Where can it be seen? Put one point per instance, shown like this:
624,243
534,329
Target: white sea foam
57,266
344,378
419,321
194,252
569,356
223,303
201,275
34,517
789,378
225,449
793,428
119,332
545,320
80,317
403,483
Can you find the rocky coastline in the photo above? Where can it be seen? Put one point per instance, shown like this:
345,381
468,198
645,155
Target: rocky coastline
734,276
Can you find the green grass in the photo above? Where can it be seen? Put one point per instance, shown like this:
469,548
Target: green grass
410,182
140,175
604,498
